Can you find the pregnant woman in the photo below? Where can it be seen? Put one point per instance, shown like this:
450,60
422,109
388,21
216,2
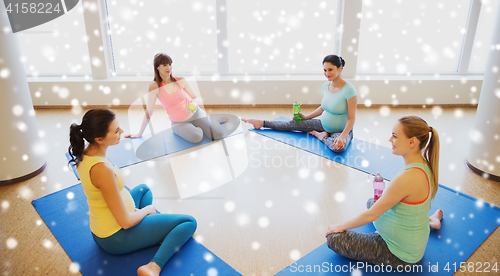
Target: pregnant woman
337,110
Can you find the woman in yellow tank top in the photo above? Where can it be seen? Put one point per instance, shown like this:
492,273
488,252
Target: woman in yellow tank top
401,214
121,221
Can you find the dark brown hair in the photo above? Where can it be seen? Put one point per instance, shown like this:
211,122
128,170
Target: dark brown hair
335,60
95,124
160,59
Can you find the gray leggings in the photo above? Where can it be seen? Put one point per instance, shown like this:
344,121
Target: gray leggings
307,126
364,247
198,125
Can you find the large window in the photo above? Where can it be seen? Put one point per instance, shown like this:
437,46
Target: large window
58,47
276,36
183,29
412,37
483,35
255,37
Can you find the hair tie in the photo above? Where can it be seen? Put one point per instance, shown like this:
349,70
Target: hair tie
430,129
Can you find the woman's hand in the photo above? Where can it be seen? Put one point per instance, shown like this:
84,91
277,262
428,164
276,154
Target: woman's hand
334,228
192,107
302,116
339,143
150,209
132,136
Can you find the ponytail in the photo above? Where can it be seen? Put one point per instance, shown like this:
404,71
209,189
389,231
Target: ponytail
431,155
95,124
77,144
414,126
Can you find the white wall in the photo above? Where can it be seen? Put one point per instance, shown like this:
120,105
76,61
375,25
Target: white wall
263,90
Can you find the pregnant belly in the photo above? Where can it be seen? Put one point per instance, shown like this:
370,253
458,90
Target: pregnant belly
333,122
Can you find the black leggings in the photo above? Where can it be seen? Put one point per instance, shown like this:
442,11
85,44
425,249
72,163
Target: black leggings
364,247
307,126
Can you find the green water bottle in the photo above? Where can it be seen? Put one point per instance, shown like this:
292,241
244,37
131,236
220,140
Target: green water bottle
296,109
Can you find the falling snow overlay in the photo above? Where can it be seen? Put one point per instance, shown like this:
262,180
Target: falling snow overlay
253,197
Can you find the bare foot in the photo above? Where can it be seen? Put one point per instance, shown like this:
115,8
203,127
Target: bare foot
222,119
435,220
319,135
257,124
151,269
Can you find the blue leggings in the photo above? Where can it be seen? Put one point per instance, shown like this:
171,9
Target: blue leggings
171,230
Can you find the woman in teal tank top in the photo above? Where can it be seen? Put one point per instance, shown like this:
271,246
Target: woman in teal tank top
133,223
401,214
337,110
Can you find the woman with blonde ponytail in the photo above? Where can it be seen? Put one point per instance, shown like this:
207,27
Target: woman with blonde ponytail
121,221
401,214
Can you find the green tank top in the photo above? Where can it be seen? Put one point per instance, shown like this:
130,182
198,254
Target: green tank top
405,227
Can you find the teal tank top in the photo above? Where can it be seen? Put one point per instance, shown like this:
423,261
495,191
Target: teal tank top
334,116
405,227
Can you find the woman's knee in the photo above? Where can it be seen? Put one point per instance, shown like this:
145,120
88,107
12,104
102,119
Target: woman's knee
370,203
195,136
191,221
143,188
340,150
348,142
333,241
218,133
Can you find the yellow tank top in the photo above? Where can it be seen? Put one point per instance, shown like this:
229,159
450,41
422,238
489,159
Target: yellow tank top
102,222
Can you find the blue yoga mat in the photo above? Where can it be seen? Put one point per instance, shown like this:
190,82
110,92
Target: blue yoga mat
150,147
66,214
467,222
360,154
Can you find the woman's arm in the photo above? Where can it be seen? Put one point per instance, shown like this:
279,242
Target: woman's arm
190,91
150,107
398,190
103,178
352,105
313,114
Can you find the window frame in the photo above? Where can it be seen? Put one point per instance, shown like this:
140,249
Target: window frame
348,21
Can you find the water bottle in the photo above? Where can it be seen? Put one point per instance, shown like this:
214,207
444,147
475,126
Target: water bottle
378,187
296,110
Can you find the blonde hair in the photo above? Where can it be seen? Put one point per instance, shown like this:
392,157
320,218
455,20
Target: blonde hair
414,126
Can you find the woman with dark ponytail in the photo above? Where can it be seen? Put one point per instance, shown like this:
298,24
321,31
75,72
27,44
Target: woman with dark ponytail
121,221
401,214
337,110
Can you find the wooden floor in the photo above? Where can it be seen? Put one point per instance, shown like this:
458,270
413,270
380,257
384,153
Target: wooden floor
276,210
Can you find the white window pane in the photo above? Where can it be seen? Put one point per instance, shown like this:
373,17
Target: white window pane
183,29
57,47
483,36
401,37
276,36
